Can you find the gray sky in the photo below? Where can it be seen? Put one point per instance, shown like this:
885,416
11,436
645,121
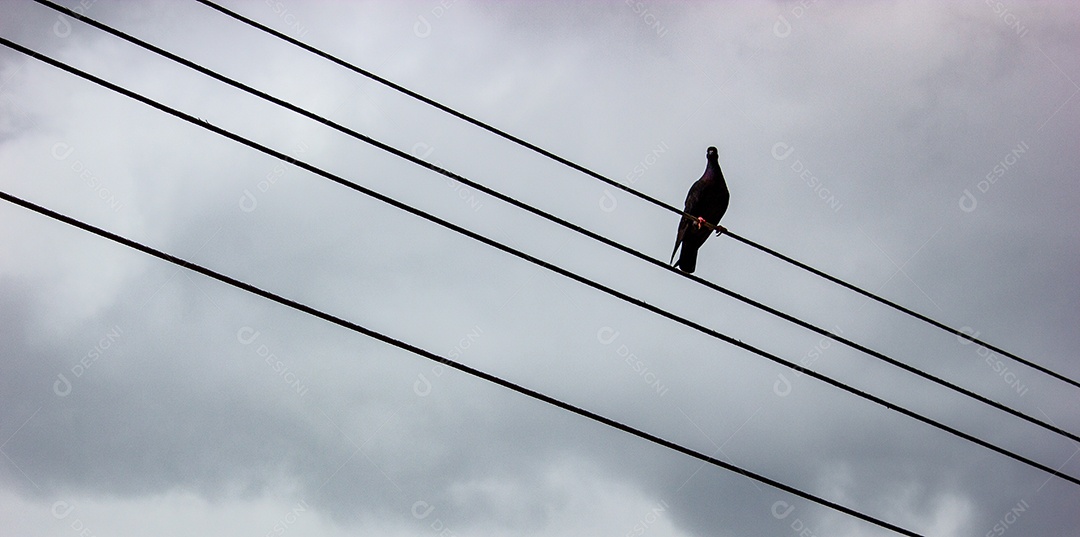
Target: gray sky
924,151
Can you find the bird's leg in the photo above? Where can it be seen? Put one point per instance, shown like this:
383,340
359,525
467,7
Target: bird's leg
700,222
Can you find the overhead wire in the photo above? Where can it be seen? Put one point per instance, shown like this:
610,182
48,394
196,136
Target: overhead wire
532,259
534,394
630,190
562,222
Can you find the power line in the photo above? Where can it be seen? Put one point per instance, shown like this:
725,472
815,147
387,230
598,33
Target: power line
562,222
531,259
898,307
627,189
303,308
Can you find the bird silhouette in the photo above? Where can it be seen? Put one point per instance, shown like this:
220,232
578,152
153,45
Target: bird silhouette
706,204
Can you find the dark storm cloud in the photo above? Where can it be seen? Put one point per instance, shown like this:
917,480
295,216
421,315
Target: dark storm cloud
924,152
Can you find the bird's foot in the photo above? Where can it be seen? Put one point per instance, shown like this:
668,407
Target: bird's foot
720,230
700,222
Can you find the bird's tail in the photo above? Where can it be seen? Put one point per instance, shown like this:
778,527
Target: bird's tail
673,250
687,260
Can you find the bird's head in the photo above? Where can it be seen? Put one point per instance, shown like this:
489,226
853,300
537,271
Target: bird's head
711,153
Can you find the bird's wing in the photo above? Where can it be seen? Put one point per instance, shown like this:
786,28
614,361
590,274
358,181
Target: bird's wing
693,206
694,197
683,224
722,201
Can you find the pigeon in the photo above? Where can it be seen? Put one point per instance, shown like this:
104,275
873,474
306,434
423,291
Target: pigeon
706,202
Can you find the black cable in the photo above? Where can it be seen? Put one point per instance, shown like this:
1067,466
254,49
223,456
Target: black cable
898,307
624,188
532,259
450,363
560,221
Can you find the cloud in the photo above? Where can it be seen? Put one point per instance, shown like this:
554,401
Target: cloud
133,388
